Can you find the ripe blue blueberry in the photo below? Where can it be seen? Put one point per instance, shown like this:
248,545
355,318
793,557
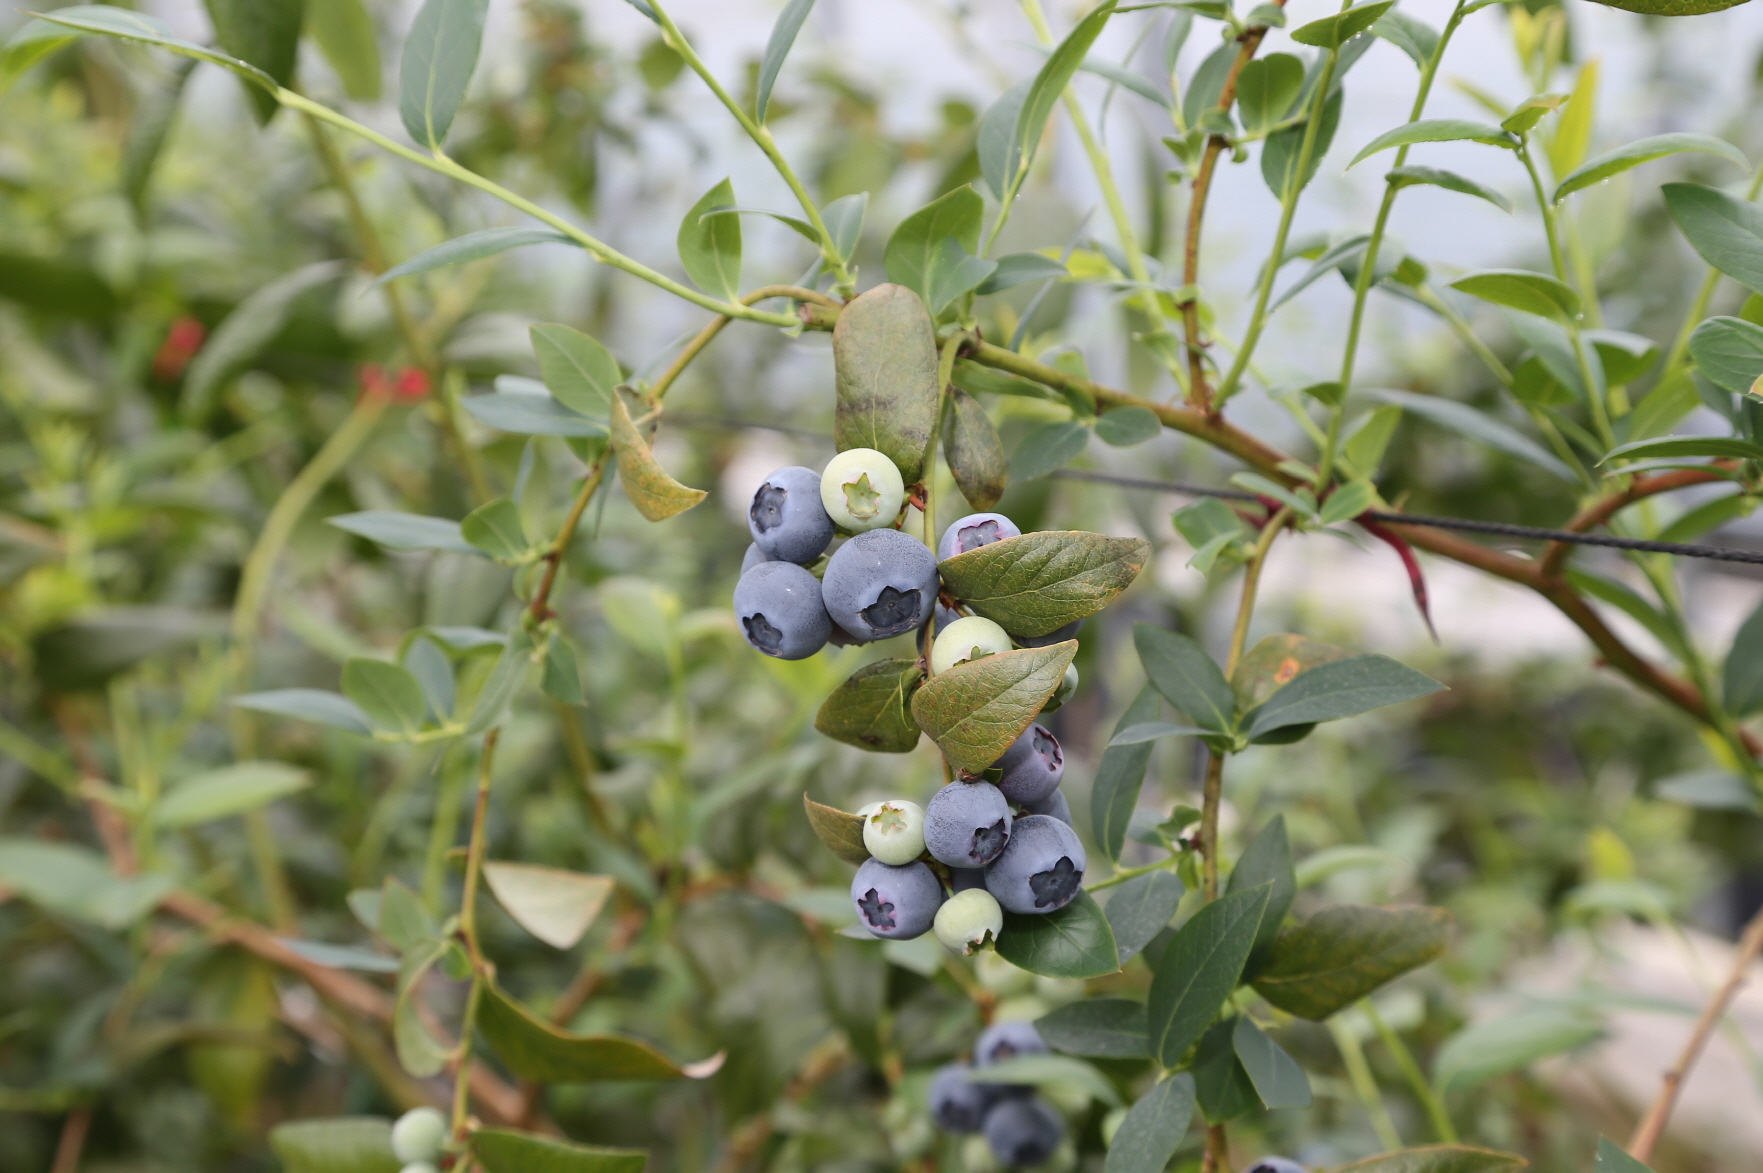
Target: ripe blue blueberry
1032,766
1040,869
861,489
961,879
973,531
945,616
1023,1132
779,608
967,824
786,518
957,1103
896,902
1007,1040
879,584
1053,806
753,557
1069,631
1276,1165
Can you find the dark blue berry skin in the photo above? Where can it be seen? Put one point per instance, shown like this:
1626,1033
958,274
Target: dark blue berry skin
961,879
1069,631
1007,1040
957,1103
1032,766
973,531
967,824
879,584
786,518
753,557
1023,1132
1053,806
779,609
896,902
1276,1165
1041,869
945,616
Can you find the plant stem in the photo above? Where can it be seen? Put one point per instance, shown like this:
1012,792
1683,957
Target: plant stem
714,327
600,251
1364,1084
540,608
474,866
1133,873
1423,1091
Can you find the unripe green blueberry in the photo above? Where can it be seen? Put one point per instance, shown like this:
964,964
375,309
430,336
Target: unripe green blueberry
1067,686
967,639
420,1167
862,490
968,921
1111,1125
1000,976
894,831
418,1134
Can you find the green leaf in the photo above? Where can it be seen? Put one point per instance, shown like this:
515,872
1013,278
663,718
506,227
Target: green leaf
1631,603
1267,860
230,790
1411,35
1533,293
913,254
1366,446
497,694
1021,269
1467,421
1278,1079
439,56
471,247
1482,1050
495,528
1280,153
1266,89
264,33
1221,1086
110,21
419,1051
1120,774
1443,1158
1036,583
650,488
390,696
1344,953
1679,447
1048,86
1048,448
1347,502
1141,86
424,659
1186,676
801,227
1140,909
76,882
1207,84
343,1144
974,711
1074,942
1613,1160
1531,111
578,370
308,704
973,450
345,33
999,158
783,36
502,1150
1730,352
1644,151
1199,969
1153,1128
245,332
1300,501
552,904
1097,1028
402,918
1126,426
533,1049
524,414
1450,181
885,365
970,376
710,246
404,531
1727,232
952,272
562,678
1048,1072
841,831
1274,662
1331,32
1624,356
1742,680
1156,731
1436,130
872,709
1344,688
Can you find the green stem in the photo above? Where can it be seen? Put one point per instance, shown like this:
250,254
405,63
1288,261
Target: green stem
604,253
474,866
1133,873
1364,1084
1424,1091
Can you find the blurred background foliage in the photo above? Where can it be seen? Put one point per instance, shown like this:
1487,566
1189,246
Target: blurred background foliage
133,485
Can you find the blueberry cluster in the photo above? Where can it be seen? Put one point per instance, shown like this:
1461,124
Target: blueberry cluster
1021,1128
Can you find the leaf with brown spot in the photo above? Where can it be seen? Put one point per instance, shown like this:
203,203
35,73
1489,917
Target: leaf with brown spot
975,454
975,710
841,831
1036,583
871,710
1271,664
885,360
656,495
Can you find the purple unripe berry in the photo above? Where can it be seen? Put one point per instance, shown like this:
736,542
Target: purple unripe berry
967,824
1032,766
1041,869
973,531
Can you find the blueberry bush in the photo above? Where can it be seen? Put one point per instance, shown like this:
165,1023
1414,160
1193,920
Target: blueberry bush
384,790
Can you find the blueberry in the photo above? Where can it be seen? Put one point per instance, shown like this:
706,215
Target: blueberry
945,616
861,490
967,639
786,518
1032,766
957,1103
1053,806
1276,1165
969,920
896,902
1061,694
973,531
418,1134
1007,1040
778,604
1023,1132
879,584
753,557
962,879
1069,631
1041,868
894,831
967,824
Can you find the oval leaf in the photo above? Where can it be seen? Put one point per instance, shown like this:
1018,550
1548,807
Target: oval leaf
1533,293
1331,32
710,246
1074,942
1441,1158
502,1150
405,531
554,905
471,247
1344,953
1097,1028
916,253
308,704
1466,420
1644,151
1437,130
1036,583
439,56
1153,1129
973,450
1450,181
1186,676
580,372
885,362
872,709
533,1049
230,790
1343,688
975,710
841,831
783,36
390,696
1119,777
344,1144
1198,970
1483,1050
1140,909
530,415
1727,232
1730,352
1048,448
